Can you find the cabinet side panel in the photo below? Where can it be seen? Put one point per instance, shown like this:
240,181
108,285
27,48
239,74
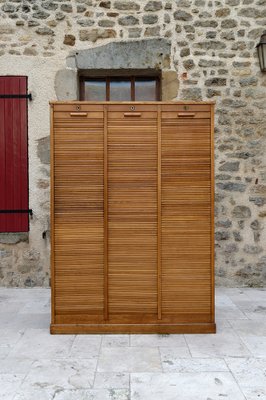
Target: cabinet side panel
52,213
186,219
212,214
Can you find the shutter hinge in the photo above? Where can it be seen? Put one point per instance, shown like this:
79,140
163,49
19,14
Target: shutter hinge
29,211
16,96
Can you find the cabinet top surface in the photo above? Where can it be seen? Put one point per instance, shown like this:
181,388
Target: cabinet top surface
131,102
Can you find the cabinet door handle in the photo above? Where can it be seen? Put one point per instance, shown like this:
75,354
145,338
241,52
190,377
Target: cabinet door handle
78,114
186,115
132,114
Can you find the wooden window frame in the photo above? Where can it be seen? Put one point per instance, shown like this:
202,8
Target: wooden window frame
107,80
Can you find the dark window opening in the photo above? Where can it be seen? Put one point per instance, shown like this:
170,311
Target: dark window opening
120,88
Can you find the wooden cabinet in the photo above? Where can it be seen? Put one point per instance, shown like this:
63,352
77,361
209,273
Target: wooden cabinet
132,217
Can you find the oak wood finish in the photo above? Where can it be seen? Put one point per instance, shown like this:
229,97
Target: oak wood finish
73,329
105,213
78,226
52,214
186,216
132,214
132,217
159,213
212,218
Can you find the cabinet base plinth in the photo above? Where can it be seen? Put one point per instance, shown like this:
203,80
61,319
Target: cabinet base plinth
132,328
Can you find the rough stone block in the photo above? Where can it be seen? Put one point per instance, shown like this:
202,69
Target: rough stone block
134,32
206,24
43,149
184,52
232,187
222,12
252,81
49,5
188,64
142,54
59,16
93,35
252,249
222,235
170,85
241,212
152,31
14,238
126,5
85,22
153,6
44,31
40,14
228,23
258,200
150,19
215,82
210,45
192,94
252,12
69,40
106,23
230,166
237,236
181,15
234,103
8,8
223,223
105,4
128,20
67,8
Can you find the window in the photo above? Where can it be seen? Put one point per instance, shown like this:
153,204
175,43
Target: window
120,88
14,215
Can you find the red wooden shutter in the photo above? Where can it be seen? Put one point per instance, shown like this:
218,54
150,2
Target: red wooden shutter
13,155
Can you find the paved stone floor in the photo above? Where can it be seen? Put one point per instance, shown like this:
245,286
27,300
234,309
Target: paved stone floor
37,366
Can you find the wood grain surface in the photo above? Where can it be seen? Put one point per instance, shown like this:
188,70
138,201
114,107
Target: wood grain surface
132,217
132,214
186,216
78,217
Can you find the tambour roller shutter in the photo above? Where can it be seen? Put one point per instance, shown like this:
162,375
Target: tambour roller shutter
132,217
78,220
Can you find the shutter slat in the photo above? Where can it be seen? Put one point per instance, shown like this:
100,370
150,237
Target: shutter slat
24,197
2,157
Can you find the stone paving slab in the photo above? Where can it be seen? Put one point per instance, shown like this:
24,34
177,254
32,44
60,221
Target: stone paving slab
185,386
36,365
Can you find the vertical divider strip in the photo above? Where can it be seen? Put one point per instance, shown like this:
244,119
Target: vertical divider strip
159,211
105,174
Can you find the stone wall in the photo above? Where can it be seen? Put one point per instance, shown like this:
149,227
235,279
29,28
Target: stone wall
214,56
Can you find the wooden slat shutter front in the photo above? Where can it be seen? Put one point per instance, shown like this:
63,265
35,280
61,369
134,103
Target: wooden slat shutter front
132,217
13,155
186,218
78,215
132,213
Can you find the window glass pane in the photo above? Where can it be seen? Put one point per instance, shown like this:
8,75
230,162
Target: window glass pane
145,90
95,90
263,50
120,90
